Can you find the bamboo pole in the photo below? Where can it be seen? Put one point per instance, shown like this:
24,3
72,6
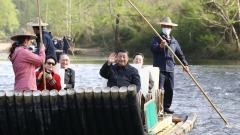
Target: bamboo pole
183,66
41,42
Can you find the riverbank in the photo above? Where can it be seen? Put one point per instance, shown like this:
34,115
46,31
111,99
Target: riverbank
76,51
97,55
4,47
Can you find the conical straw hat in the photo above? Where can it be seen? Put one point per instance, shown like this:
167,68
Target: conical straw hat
36,23
167,21
23,33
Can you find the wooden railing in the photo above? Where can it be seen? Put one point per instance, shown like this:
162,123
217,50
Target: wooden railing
84,111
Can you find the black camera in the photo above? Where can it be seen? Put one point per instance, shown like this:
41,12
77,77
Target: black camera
48,71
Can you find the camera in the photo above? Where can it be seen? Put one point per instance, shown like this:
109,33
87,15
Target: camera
48,71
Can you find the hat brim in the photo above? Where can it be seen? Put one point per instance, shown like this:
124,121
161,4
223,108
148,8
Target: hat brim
169,24
36,24
14,38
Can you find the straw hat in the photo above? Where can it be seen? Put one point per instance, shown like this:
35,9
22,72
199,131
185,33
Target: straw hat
167,21
23,33
36,23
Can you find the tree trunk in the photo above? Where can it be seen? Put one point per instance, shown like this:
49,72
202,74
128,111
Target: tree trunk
116,44
238,3
236,37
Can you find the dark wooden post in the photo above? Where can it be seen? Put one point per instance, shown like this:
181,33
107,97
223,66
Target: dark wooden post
20,112
89,100
99,110
55,116
12,112
125,111
116,110
64,114
47,112
73,114
29,112
108,111
84,128
38,111
135,110
4,129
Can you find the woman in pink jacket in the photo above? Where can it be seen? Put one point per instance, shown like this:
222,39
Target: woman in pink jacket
24,61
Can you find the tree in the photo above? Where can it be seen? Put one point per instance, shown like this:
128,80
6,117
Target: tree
222,15
9,21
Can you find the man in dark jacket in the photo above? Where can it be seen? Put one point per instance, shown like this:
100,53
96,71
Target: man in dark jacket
58,47
47,41
65,45
164,59
121,73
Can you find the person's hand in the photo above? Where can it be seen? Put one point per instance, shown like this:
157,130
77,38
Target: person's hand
42,46
186,68
163,43
111,58
49,76
40,76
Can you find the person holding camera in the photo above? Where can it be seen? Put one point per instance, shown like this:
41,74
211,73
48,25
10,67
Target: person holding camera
53,80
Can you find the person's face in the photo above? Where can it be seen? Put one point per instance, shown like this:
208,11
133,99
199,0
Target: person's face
26,42
50,63
64,60
138,59
166,29
35,30
122,59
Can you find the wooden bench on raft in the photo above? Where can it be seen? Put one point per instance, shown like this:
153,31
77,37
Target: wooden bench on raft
84,111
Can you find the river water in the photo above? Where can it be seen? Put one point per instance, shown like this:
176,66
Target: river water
221,84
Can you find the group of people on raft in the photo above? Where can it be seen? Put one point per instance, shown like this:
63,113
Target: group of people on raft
116,70
25,61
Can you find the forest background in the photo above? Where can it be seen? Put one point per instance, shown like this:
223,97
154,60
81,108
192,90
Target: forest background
207,29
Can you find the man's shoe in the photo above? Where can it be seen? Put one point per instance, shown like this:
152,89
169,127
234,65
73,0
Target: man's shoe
167,110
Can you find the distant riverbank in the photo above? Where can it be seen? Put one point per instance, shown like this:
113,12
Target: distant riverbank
95,56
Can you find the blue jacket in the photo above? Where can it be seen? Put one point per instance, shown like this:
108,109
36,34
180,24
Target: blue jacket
120,76
47,41
162,57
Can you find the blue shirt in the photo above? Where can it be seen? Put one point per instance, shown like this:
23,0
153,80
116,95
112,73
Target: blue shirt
162,57
120,76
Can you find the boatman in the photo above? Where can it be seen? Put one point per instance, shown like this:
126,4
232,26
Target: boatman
47,41
121,73
164,59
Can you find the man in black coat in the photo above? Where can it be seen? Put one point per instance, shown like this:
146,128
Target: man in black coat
121,73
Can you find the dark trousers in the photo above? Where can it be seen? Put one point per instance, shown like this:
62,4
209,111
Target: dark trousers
166,82
58,56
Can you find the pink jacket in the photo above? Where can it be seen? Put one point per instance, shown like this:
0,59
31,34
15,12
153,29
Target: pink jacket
24,66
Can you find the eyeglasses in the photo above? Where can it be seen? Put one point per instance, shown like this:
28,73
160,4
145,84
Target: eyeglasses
50,63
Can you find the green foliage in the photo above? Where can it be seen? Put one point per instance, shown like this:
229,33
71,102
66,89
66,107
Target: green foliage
127,33
92,23
8,21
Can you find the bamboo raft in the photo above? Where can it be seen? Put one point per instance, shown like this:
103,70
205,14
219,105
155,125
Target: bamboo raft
84,111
